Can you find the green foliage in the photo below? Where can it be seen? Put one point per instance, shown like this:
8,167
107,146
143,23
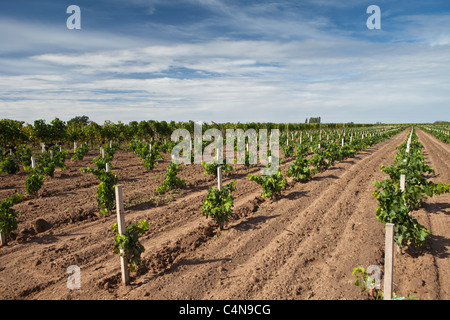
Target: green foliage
300,169
110,150
45,165
128,245
171,181
395,206
9,165
365,282
106,192
12,134
318,161
80,152
49,133
24,155
108,181
211,168
271,184
248,159
392,208
8,216
347,151
149,154
218,205
332,153
59,157
150,159
288,149
34,182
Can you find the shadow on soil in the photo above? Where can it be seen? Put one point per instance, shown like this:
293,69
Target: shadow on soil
437,246
330,176
437,208
253,222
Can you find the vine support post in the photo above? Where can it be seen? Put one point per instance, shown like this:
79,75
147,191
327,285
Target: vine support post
108,167
121,228
389,261
402,182
219,178
2,239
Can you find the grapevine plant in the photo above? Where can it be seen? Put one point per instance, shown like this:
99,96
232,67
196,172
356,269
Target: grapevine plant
171,181
248,159
34,182
80,152
218,204
9,165
45,167
149,154
271,184
300,169
394,205
24,156
108,181
127,245
211,168
8,216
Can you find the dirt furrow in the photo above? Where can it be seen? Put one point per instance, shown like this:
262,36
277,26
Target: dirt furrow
280,265
228,274
436,212
185,255
172,219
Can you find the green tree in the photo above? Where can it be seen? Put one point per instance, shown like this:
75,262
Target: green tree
12,134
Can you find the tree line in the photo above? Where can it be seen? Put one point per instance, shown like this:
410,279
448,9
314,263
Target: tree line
81,129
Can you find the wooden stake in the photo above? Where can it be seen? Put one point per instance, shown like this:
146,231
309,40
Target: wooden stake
108,167
219,178
402,182
121,227
2,239
389,261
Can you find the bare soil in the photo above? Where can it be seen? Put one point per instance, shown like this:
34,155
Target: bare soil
303,245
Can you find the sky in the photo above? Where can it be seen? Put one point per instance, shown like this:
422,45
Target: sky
225,61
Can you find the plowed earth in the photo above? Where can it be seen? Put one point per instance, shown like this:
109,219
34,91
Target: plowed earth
303,245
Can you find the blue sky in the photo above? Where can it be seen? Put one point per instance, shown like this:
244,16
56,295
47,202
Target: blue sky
217,60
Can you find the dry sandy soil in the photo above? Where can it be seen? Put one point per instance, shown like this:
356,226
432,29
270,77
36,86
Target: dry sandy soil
302,246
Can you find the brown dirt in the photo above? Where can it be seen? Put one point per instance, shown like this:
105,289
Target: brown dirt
302,246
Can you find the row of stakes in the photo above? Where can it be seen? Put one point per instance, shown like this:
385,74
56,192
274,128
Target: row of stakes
389,242
389,236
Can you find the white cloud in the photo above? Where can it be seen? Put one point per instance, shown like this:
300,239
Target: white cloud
293,71
32,37
257,81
